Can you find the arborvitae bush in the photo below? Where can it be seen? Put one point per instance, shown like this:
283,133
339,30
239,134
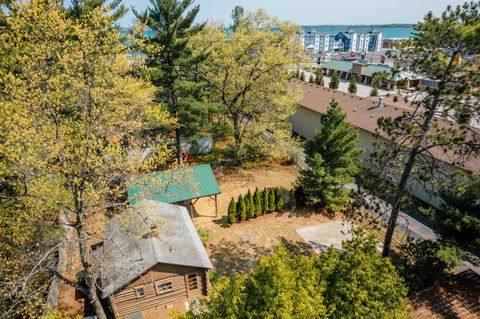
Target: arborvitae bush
264,201
310,79
395,98
241,209
257,199
302,76
232,212
271,200
279,202
334,81
250,205
247,204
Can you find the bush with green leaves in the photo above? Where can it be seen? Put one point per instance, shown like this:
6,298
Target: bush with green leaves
334,81
232,212
279,202
257,199
264,201
302,76
395,98
374,92
352,86
241,208
250,205
318,77
422,263
271,200
354,283
310,79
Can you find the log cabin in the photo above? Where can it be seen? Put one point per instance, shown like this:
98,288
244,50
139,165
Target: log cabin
152,261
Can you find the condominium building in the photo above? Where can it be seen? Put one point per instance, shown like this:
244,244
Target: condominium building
348,41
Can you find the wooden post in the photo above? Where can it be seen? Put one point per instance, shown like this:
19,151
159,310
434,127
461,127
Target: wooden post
216,206
191,209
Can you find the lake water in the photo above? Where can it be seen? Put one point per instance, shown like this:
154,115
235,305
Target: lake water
390,33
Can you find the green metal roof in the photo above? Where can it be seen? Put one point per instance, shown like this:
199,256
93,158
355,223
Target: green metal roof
346,66
372,68
339,65
173,186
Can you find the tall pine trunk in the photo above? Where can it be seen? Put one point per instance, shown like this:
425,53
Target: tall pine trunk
392,221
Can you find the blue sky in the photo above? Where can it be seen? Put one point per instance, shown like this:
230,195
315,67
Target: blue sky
318,11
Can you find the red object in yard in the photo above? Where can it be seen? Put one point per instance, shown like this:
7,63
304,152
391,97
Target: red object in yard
352,54
187,157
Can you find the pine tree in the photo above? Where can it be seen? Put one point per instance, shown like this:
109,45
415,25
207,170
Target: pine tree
258,202
232,212
310,79
241,208
264,201
352,87
333,159
334,81
279,202
167,52
271,200
318,77
250,205
302,76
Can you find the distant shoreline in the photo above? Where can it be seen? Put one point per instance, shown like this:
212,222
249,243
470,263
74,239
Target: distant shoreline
383,26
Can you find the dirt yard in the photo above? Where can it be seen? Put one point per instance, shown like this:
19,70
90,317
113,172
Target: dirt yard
236,248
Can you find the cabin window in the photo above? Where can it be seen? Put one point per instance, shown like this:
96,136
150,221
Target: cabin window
163,286
192,280
140,292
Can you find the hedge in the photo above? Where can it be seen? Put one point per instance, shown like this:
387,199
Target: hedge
253,205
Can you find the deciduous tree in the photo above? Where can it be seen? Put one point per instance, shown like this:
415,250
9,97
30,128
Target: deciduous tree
355,283
248,72
69,115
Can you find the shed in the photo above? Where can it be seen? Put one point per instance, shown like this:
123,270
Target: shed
185,184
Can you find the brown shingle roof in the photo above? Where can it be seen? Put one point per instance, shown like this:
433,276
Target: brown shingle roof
363,114
458,297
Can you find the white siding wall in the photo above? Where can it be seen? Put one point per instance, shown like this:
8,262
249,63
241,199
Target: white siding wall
305,122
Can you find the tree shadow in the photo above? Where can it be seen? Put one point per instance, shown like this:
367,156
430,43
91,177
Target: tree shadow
230,257
297,248
222,221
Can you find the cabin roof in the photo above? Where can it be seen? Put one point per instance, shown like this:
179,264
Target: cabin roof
147,234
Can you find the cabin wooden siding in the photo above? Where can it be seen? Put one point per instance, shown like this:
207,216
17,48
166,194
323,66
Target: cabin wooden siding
125,301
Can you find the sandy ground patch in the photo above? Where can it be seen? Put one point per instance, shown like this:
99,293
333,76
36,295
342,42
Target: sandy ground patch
238,247
239,181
